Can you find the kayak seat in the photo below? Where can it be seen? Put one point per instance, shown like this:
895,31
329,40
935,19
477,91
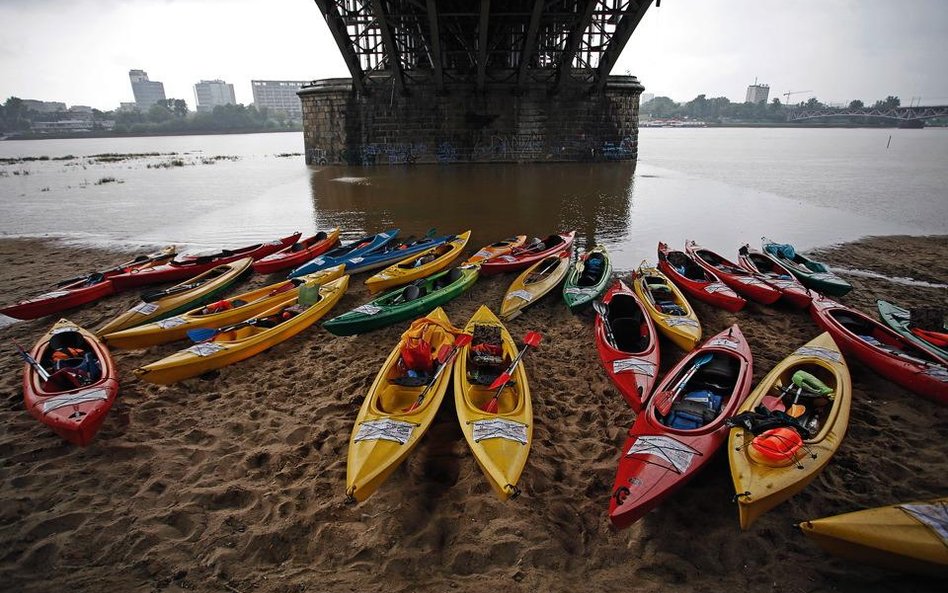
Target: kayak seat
669,307
412,292
627,332
321,236
694,410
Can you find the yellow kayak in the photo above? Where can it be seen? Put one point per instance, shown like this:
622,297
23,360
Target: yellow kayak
533,283
387,429
500,441
502,247
418,266
219,314
168,302
248,338
667,307
908,537
777,464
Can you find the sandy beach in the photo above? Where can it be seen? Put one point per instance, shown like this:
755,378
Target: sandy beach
236,483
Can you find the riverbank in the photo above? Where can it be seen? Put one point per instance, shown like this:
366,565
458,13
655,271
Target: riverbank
236,482
107,134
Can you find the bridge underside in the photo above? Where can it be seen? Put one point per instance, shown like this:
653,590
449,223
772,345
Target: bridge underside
475,80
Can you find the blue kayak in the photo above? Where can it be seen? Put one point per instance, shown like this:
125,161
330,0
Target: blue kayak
339,255
391,253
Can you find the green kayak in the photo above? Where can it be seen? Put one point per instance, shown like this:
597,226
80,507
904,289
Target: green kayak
587,278
898,319
405,302
811,273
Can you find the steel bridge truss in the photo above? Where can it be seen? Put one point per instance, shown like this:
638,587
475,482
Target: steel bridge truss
902,113
479,43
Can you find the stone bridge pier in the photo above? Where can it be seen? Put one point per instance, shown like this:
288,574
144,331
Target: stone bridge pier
343,125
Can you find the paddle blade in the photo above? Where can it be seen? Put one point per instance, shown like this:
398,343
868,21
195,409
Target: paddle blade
201,334
663,402
443,353
492,406
600,308
463,340
499,382
796,410
532,339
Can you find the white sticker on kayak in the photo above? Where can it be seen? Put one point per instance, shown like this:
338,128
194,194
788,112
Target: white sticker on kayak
825,276
356,260
274,243
145,308
171,322
206,349
385,430
318,261
498,428
73,399
676,321
64,329
367,309
750,280
675,453
716,287
49,295
580,291
818,352
725,343
933,515
784,284
634,365
520,294
507,258
939,373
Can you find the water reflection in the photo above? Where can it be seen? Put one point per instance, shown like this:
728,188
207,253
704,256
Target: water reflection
495,201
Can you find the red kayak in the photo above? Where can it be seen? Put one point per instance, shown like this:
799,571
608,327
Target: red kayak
664,451
697,281
187,266
791,290
742,281
532,252
81,290
80,383
627,344
883,350
298,253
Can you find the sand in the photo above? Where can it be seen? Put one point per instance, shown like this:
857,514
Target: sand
236,483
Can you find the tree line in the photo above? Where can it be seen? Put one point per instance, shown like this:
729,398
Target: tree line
169,116
720,109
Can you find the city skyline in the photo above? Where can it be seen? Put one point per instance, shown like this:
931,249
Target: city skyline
838,52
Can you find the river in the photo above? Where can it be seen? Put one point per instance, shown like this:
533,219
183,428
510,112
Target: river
719,186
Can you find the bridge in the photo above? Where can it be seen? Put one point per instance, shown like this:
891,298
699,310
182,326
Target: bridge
439,80
900,113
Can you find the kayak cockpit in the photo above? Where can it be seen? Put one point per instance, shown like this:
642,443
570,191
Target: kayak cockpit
704,394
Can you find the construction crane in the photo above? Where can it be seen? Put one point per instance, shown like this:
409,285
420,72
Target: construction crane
788,93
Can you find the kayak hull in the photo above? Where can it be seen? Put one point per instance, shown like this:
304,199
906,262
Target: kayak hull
761,483
657,459
499,248
582,288
627,343
890,537
390,307
811,273
887,353
697,281
189,267
74,413
792,291
389,426
522,258
681,326
500,441
743,282
297,253
898,319
237,345
342,253
424,264
534,283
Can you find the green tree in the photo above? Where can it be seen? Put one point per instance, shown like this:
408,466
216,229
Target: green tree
178,107
159,113
856,104
813,103
889,102
660,107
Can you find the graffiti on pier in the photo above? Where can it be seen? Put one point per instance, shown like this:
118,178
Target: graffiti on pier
384,154
508,148
317,156
447,153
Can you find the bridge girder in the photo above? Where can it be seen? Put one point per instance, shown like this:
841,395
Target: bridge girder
900,113
478,43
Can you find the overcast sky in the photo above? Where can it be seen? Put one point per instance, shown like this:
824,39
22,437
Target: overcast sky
80,51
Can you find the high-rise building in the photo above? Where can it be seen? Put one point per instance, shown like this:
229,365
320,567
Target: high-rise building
147,92
279,95
208,94
757,93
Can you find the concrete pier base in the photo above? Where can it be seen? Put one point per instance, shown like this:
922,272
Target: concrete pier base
342,126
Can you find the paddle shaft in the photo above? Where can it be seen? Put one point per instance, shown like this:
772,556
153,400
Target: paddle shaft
421,397
44,375
665,405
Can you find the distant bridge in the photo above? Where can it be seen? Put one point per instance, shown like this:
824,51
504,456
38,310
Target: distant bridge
901,113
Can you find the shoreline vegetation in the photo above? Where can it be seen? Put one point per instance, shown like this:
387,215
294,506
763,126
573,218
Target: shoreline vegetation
236,482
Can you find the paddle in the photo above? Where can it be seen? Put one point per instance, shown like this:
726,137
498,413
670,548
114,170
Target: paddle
531,339
444,357
665,399
154,295
206,334
44,375
141,259
603,311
